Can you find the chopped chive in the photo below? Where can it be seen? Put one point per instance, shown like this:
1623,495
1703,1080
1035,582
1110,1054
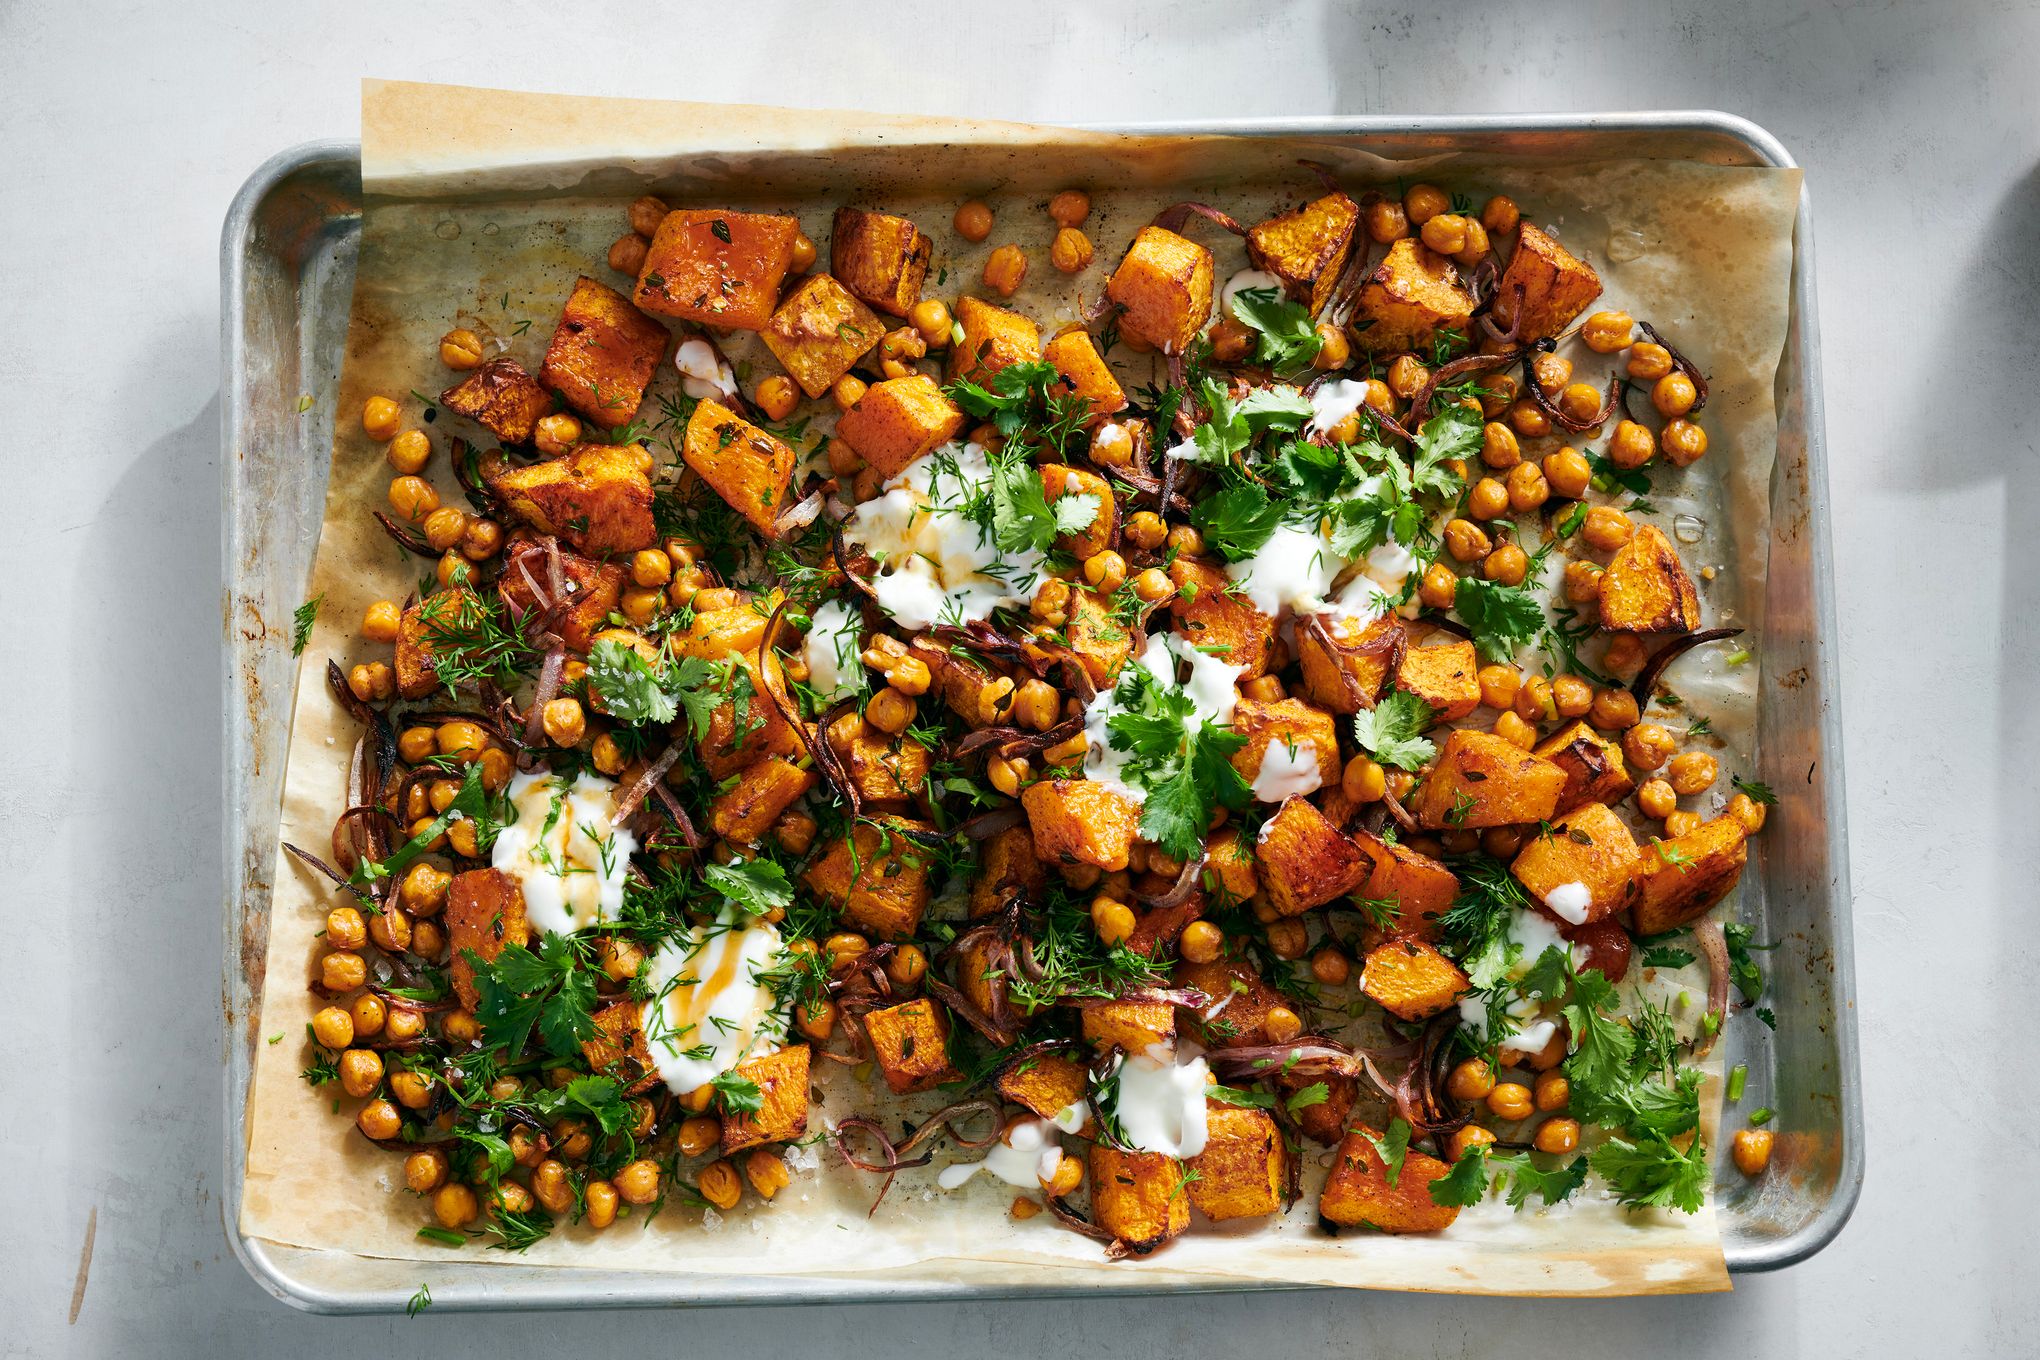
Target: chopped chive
446,1237
1736,1078
1759,1118
1739,657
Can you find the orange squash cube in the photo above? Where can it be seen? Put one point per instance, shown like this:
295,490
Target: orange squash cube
1163,289
746,811
603,354
992,339
1411,295
1306,861
747,467
1085,373
1482,780
1077,821
1555,285
596,498
501,397
717,267
1244,1166
881,258
1680,879
1217,617
1646,589
1594,769
1307,249
782,1082
1589,845
898,421
1357,1193
820,332
1411,980
877,877
1138,1197
911,1043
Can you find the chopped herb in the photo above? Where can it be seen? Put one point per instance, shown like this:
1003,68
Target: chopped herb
1762,1116
1737,1077
1392,731
302,619
421,1300
1392,1147
738,1094
1757,792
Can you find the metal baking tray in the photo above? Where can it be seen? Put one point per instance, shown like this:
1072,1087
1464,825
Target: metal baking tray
287,270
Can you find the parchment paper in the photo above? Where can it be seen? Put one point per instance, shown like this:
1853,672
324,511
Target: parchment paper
484,206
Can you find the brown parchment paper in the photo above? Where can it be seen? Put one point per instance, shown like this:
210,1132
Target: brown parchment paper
483,207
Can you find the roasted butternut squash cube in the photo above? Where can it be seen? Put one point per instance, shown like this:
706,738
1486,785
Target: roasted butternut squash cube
746,727
1443,671
877,877
716,634
975,975
898,421
1646,589
1163,289
782,1082
1157,929
820,331
747,810
1320,1105
1045,1084
1100,641
1085,373
1058,481
1077,821
965,686
1132,1025
1295,725
879,257
1482,780
1214,615
1138,1197
1307,249
1555,285
1594,769
747,467
422,626
619,1050
1411,295
911,1043
502,398
1007,867
593,589
1348,666
884,769
596,498
1244,1166
1421,888
1358,1193
993,338
1679,879
1411,980
717,267
1306,861
484,916
1229,867
1236,1013
603,354
1589,846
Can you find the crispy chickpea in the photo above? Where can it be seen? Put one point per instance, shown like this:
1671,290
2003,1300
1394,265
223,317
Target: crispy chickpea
1607,528
1631,445
1673,394
413,498
1748,811
1534,702
381,621
556,433
1656,800
1684,442
413,1090
638,1183
1500,215
445,527
343,971
1459,842
930,317
1400,782
1363,780
425,1171
497,767
766,1171
1153,586
1105,572
1036,705
1751,1149
1070,252
1648,361
1051,603
1551,1091
455,1206
1281,1023
1334,350
607,755
550,1186
1385,218
391,931
1407,376
1145,529
1186,540
720,1185
1005,270
361,1071
1440,586
345,928
1614,710
1568,472
1422,202
1498,685
1070,207
1112,445
1552,372
1067,1176
907,966
1498,393
369,1014
404,1023
408,453
1502,841
1466,541
890,711
379,419
1499,448
803,253
1288,938
1445,233
816,1019
699,1133
484,539
627,253
646,213
1467,1138
973,221
1113,920
1556,1135
601,1199
1692,772
847,391
1527,488
461,739
1607,332
1527,419
333,1027
1582,581
1648,745
461,1027
1571,696
1470,1081
1476,248
1580,401
565,723
1331,966
460,349
1201,942
453,570
777,396
1488,499
1507,565
844,947
1510,1101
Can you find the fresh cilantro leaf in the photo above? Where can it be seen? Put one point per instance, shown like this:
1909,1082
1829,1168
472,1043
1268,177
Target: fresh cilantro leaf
1665,956
1503,619
1392,1147
1601,1044
1466,1184
1021,519
1749,979
758,885
1229,426
471,802
548,990
1549,976
1233,1095
1553,1187
1178,809
1076,513
627,685
1392,731
600,1098
739,1094
1238,520
1317,1093
302,619
1452,433
1652,1173
1287,339
1311,472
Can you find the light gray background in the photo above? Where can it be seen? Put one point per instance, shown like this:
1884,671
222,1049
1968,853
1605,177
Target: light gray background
124,131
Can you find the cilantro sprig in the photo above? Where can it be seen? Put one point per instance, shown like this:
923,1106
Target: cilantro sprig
1392,731
1286,339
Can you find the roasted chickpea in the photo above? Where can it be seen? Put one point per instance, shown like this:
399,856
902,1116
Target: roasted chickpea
1466,541
1067,1176
1527,419
459,1027
601,1200
1533,700
1527,488
425,1171
1648,361
1113,920
1655,799
847,391
907,966
361,1071
1153,586
1607,332
1186,540
408,453
1407,376
1749,812
556,433
413,498
1070,252
816,1019
1502,841
1580,402
405,1023
455,1206
345,928
1684,442
1582,581
1571,696
343,971
1476,248
1281,1023
973,221
930,317
627,253
1556,1135
720,1185
1112,445
565,723
1288,938
1471,1080
1036,705
1568,472
1507,565
379,419
1692,772
1631,445
1334,350
1607,528
1201,942
484,539
461,739
1467,1138
638,1182
1500,215
1751,1149
1330,966
1440,586
1512,728
1385,218
1498,393
1005,270
413,1090
1445,233
391,931
1648,745
1488,499
380,621
890,711
844,947
369,1014
1511,1101
1614,710
777,396
1422,202
1105,572
766,1171
445,527
1673,394
1551,1091
1552,372
333,1027
803,253
1499,448
551,1187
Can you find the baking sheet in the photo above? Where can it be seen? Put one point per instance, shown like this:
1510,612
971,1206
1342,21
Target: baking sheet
1723,236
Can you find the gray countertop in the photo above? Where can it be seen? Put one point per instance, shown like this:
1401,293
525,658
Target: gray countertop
127,129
